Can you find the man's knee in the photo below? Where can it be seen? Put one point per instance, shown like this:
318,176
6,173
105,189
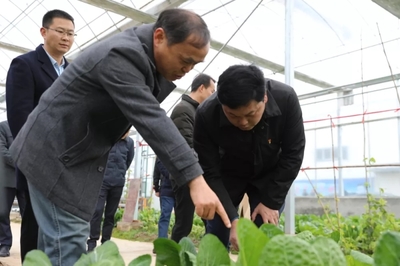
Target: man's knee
216,226
109,216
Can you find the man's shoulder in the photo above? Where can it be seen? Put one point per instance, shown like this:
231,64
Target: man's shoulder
127,39
125,48
27,57
129,142
283,96
184,104
277,88
126,44
130,43
3,126
29,60
183,107
210,105
209,111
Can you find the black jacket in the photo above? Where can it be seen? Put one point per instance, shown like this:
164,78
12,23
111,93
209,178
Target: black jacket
183,117
7,166
119,160
267,157
161,181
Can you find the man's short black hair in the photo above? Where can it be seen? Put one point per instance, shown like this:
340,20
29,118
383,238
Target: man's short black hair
179,24
240,84
56,13
201,79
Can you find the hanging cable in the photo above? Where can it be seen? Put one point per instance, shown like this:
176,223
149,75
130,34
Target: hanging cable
243,36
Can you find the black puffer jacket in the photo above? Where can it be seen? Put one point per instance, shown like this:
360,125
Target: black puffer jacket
119,160
183,117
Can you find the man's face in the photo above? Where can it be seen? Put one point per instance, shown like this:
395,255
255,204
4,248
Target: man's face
59,36
246,117
174,61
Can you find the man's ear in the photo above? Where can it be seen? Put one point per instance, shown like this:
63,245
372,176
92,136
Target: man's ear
159,36
201,88
265,98
43,32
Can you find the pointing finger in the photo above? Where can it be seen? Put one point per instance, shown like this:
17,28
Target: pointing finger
222,213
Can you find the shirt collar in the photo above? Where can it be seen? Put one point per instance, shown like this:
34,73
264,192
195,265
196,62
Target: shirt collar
190,100
144,33
53,61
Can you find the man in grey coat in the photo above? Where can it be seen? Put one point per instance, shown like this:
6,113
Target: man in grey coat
62,148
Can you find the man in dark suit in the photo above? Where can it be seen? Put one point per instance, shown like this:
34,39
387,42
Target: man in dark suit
10,191
63,147
28,77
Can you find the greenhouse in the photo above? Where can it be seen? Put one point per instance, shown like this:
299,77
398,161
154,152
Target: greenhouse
339,57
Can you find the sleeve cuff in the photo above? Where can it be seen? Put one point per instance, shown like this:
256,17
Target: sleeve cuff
235,218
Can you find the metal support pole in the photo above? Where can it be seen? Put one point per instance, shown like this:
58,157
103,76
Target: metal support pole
339,150
138,156
289,78
397,83
339,153
136,173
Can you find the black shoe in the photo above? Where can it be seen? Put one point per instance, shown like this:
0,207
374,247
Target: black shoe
4,251
91,246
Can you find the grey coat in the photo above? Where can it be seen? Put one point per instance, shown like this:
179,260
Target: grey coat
63,147
6,162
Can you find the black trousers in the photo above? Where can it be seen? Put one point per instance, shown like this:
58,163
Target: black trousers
29,228
236,190
5,228
110,197
184,211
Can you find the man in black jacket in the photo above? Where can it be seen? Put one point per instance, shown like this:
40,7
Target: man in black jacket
9,190
183,115
250,139
119,160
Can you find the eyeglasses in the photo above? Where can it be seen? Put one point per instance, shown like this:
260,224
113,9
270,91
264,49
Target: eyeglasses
70,34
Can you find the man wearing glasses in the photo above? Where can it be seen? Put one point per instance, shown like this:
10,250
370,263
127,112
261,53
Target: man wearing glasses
28,77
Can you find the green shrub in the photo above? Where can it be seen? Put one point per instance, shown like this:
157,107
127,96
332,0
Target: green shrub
359,233
118,215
